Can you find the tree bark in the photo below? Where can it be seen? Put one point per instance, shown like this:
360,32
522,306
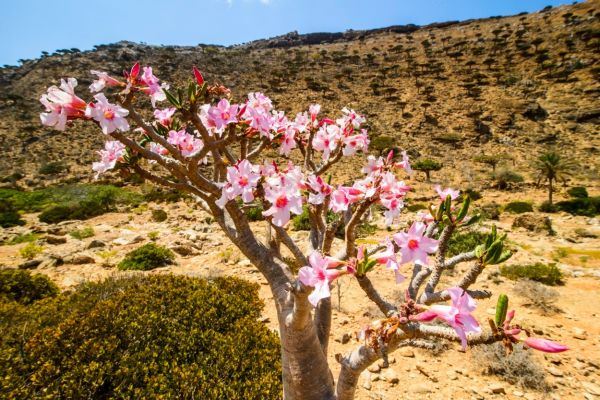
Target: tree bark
550,191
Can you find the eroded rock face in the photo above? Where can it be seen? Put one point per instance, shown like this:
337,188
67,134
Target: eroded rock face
533,222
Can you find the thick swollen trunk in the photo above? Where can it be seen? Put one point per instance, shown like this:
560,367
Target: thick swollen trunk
306,374
550,189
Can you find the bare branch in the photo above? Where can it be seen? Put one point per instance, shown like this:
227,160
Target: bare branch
385,306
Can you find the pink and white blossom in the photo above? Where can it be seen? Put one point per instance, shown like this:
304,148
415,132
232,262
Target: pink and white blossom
354,143
165,116
223,114
283,202
113,152
458,315
153,86
405,163
62,104
319,275
188,144
443,193
110,117
104,80
314,110
547,346
319,189
414,245
388,258
374,165
344,196
326,140
242,179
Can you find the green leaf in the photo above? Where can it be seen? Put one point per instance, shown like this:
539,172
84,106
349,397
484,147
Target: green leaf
501,310
464,209
171,98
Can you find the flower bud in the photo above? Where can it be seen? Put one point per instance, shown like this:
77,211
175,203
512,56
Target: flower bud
198,76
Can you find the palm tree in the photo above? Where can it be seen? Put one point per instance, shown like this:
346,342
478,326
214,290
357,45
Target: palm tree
552,167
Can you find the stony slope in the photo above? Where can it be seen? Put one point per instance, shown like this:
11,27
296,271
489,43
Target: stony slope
512,85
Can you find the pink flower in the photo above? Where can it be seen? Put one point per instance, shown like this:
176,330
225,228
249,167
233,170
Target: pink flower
112,153
320,189
104,80
388,257
342,197
241,180
373,165
405,163
446,192
283,202
223,114
314,110
319,275
61,104
458,315
289,142
189,145
326,140
414,246
158,149
154,89
110,116
258,100
425,217
198,76
350,119
165,116
544,345
354,143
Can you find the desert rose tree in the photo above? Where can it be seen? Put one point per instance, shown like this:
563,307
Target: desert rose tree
207,146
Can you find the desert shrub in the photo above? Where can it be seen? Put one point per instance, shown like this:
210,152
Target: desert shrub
30,251
24,287
9,216
159,215
51,168
301,222
472,193
382,143
518,207
584,233
538,296
466,241
589,206
22,238
144,337
160,195
547,207
517,367
578,192
414,207
147,257
505,177
254,212
548,274
491,211
82,233
41,199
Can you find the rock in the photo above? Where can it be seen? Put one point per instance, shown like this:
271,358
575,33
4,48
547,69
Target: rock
533,222
183,250
420,388
367,384
579,333
121,241
406,352
56,230
374,368
390,376
78,259
53,239
96,244
516,393
189,234
535,112
496,388
555,371
51,262
591,388
31,264
346,338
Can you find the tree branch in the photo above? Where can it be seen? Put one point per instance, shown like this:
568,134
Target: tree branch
385,306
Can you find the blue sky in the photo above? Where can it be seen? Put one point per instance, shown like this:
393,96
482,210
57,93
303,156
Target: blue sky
31,26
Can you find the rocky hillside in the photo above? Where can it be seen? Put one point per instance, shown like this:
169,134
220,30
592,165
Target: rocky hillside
509,86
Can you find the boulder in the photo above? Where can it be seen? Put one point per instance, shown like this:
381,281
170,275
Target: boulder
533,222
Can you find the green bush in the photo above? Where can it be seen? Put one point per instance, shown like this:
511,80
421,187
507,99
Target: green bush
147,257
547,207
518,207
254,212
30,251
382,143
578,192
462,242
25,288
159,215
427,165
9,216
589,206
22,238
82,233
38,200
505,177
472,193
548,274
141,337
51,168
491,211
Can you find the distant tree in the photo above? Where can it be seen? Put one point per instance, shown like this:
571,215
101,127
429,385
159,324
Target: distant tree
427,165
551,167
